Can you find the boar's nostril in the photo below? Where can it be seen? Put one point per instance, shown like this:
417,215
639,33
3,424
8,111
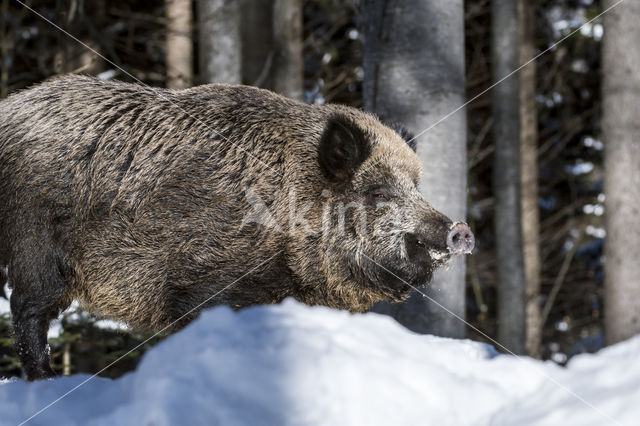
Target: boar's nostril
460,239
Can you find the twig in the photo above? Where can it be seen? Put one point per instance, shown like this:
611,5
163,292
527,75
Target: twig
559,280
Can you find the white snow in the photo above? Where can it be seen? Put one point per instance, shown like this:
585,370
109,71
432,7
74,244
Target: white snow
4,303
295,365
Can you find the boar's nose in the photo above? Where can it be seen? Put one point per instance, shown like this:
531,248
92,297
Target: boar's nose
460,239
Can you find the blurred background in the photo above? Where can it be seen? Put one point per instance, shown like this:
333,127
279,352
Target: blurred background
535,143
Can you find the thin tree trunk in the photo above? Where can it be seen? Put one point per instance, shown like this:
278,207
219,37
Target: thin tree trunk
529,176
66,359
257,42
287,38
506,176
179,54
621,127
414,74
72,56
5,42
220,50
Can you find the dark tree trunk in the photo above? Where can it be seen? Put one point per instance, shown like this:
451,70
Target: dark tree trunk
5,43
257,42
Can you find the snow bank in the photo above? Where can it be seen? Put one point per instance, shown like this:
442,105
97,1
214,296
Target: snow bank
292,364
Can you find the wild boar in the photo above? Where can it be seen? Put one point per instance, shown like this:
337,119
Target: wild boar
147,205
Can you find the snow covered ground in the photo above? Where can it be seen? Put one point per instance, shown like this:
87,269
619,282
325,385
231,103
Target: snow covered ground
295,365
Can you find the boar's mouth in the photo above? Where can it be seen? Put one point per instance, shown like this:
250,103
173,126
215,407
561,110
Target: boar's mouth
410,275
439,259
395,279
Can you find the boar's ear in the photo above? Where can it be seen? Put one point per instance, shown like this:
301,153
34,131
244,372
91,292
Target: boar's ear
343,147
405,134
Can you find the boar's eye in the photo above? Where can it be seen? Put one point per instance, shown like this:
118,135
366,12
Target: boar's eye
379,195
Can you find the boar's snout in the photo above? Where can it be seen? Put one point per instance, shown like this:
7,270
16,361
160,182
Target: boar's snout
439,243
460,239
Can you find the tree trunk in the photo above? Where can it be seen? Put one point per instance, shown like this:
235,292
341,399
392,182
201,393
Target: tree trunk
621,127
413,57
5,43
66,359
220,50
257,42
506,176
71,56
179,54
529,176
287,38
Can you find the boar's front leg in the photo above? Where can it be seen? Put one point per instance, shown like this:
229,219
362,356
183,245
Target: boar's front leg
30,328
37,289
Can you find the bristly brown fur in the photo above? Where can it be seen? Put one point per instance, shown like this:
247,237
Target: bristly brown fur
131,200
